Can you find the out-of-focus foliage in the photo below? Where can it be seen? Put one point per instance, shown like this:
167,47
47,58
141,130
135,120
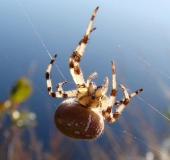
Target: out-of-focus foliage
21,90
4,106
13,117
23,118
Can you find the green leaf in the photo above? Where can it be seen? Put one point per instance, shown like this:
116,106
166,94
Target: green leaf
21,90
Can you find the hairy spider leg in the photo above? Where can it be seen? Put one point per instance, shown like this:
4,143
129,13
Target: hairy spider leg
76,56
105,85
60,93
93,75
130,96
123,104
107,110
121,107
103,97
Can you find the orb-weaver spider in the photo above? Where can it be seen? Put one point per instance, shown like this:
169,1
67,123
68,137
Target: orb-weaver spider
82,117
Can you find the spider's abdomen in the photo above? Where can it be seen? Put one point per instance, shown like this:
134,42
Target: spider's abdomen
77,121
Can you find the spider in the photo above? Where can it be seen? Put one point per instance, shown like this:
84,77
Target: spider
82,114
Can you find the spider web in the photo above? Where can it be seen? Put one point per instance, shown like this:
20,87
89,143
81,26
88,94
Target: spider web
147,63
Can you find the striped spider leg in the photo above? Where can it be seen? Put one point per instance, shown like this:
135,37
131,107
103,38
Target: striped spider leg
60,93
77,54
107,112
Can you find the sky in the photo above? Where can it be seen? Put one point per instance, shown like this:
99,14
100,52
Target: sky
133,34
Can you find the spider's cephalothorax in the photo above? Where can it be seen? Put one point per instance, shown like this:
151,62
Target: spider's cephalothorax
83,115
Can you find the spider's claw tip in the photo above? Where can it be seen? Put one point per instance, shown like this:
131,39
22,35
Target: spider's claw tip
92,29
64,82
140,90
112,63
97,8
121,86
53,58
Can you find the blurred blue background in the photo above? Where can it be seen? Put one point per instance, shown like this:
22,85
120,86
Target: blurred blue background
131,33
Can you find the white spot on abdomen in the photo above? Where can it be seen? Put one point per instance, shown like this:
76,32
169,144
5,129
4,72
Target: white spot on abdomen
76,132
68,124
88,124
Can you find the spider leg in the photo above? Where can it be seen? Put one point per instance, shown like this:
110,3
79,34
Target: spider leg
130,96
76,56
93,75
60,93
111,102
105,86
104,102
121,107
107,111
71,63
135,93
122,104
